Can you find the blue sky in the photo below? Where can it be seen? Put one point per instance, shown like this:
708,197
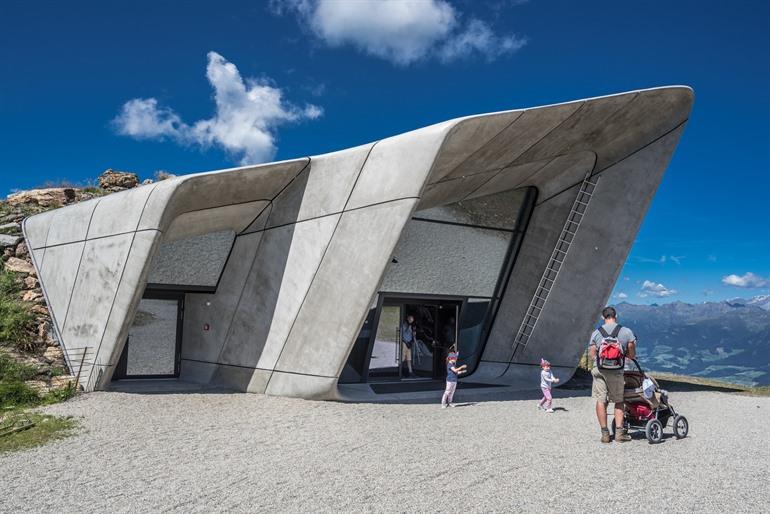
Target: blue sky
86,86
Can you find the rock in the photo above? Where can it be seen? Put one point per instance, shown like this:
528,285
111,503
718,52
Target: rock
21,250
53,354
32,296
44,333
40,309
112,180
30,283
38,385
50,197
61,382
8,252
19,266
8,241
13,228
146,181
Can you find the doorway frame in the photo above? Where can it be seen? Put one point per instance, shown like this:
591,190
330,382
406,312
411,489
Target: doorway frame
403,299
121,369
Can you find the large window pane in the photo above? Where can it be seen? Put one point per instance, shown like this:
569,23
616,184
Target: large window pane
193,261
152,338
443,259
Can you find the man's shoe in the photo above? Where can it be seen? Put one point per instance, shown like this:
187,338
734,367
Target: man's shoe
606,437
621,435
549,411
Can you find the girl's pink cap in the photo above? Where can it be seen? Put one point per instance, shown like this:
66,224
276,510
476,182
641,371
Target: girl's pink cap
544,363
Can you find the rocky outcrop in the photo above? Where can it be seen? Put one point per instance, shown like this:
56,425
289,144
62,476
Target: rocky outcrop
112,180
50,198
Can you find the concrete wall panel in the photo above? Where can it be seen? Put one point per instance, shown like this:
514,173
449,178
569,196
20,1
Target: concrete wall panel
517,138
229,217
119,212
36,229
275,289
452,190
176,196
302,386
94,292
71,223
511,177
561,173
649,116
466,138
217,309
338,299
322,188
576,133
58,275
397,167
127,298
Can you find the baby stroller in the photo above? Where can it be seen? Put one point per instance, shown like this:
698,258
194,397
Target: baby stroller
647,407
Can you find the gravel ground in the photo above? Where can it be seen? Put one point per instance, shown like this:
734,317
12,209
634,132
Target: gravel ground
242,452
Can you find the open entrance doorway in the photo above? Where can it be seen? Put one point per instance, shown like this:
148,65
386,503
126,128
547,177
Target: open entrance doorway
413,336
152,349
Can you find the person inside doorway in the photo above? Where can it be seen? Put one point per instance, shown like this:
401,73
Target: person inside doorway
408,339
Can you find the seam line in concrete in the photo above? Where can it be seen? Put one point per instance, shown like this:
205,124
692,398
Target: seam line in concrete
330,214
243,289
320,263
631,154
521,113
100,237
555,127
77,273
255,368
117,288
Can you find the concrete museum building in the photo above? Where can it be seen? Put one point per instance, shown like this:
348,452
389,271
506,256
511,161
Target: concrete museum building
501,235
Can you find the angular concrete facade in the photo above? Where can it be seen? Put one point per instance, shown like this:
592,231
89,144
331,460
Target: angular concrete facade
308,245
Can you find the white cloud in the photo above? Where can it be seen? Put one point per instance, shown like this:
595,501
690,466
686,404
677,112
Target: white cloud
141,118
650,288
478,37
621,296
247,116
749,280
399,31
677,259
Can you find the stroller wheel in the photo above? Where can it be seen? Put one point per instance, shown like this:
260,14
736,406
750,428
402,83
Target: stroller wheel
654,431
681,427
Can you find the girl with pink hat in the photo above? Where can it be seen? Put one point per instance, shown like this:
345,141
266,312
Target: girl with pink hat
546,379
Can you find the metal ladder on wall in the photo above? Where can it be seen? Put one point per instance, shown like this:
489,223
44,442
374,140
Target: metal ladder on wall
558,255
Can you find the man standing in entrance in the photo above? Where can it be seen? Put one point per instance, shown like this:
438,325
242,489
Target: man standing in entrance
408,339
610,345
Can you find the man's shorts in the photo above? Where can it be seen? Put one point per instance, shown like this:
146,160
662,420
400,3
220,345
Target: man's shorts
406,352
608,385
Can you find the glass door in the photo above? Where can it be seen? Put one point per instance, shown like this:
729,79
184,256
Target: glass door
386,351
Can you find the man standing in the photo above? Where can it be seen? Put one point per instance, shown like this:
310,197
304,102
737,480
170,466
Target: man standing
408,339
608,383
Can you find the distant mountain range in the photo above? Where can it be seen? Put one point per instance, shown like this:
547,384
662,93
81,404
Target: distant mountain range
727,340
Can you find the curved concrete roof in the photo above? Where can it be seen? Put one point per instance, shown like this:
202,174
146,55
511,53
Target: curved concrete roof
93,258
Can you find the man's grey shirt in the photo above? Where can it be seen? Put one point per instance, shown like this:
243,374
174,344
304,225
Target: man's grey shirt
625,336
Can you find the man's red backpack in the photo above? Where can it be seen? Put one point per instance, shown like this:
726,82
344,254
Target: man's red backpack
610,352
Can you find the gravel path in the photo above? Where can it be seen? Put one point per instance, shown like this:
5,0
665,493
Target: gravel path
242,452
